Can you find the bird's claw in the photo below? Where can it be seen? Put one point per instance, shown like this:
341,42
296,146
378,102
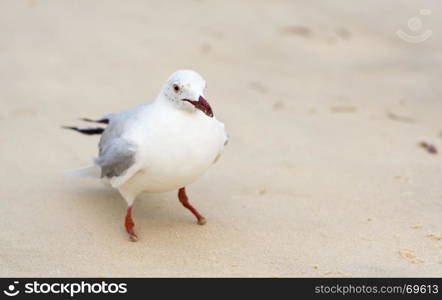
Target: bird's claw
133,237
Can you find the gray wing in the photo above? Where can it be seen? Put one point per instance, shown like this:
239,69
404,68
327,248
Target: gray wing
116,154
115,159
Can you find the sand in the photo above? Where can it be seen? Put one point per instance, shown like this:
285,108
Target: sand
323,175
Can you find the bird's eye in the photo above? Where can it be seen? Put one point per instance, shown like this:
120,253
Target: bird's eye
176,88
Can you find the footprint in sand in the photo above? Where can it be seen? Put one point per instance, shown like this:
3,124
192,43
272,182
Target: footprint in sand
409,255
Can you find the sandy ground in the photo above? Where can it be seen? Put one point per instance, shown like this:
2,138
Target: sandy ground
323,175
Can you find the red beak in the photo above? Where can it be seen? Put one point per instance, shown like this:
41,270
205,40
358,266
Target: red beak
202,105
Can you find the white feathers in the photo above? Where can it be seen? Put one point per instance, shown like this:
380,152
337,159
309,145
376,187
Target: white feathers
86,172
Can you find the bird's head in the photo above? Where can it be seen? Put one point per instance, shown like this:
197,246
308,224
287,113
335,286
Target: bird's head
185,89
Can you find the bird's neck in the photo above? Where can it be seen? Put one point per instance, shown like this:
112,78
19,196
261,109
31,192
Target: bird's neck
162,100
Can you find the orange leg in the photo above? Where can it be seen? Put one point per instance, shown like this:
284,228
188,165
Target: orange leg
185,202
129,224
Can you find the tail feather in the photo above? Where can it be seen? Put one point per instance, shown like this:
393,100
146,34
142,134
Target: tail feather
86,172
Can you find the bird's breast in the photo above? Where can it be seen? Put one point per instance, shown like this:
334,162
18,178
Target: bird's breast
175,152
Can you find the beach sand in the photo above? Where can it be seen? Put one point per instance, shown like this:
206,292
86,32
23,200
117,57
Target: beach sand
323,175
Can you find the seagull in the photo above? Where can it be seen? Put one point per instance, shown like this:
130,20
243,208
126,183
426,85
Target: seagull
158,146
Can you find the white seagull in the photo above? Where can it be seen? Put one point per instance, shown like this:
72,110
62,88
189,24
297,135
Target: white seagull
158,146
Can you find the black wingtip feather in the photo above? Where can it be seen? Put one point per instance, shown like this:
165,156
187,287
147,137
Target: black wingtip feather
102,121
87,131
